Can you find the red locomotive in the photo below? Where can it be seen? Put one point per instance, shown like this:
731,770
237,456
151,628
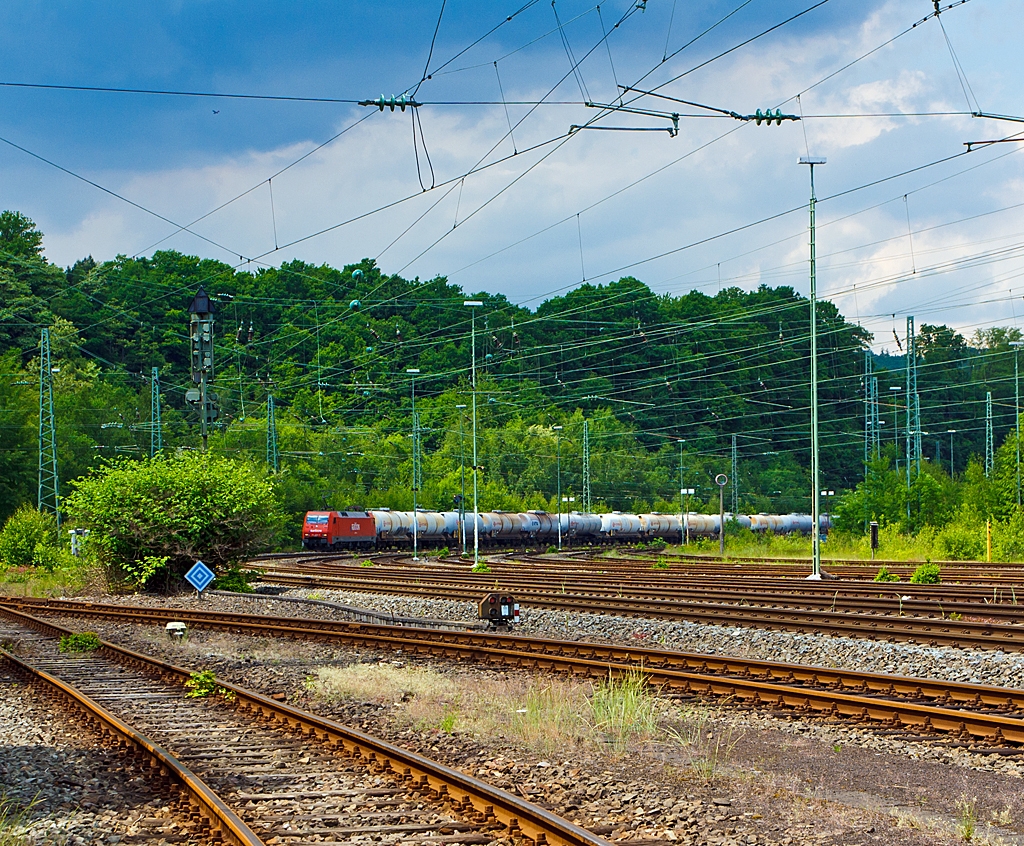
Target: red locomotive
339,530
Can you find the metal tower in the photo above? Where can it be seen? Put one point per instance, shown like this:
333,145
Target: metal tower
586,467
156,435
990,455
735,480
876,425
49,481
273,454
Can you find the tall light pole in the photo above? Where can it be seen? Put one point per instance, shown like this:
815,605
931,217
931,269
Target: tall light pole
473,305
558,476
412,371
1016,404
462,462
951,432
811,161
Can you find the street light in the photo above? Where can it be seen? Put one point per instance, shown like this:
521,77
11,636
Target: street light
558,475
1016,405
473,305
412,371
462,463
811,161
951,432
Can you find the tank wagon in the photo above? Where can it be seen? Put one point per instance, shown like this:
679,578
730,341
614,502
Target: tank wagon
382,528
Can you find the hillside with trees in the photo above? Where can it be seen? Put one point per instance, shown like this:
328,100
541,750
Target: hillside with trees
664,383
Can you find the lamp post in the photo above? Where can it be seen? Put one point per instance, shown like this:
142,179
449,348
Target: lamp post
950,432
811,161
1016,405
462,463
558,477
412,371
473,305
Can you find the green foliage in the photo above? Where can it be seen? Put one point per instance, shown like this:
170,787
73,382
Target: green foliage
442,552
203,683
883,575
552,549
236,579
151,519
480,567
926,574
963,539
29,539
80,642
366,563
661,564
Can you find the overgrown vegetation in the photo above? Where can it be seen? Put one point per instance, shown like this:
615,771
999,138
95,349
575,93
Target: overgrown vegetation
883,575
80,642
236,579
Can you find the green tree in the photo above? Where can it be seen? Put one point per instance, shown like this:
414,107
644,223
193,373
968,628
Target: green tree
151,520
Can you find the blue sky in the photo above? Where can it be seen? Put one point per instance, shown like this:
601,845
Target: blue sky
637,194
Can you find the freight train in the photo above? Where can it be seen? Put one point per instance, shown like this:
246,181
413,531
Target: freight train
386,529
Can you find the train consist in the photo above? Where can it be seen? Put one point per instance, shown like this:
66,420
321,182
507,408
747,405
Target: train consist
386,529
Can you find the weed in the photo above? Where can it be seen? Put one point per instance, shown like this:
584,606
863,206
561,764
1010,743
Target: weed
366,564
480,567
624,708
316,595
202,683
447,724
926,574
883,575
1003,818
661,563
80,642
703,745
442,552
552,549
967,817
955,615
14,822
837,747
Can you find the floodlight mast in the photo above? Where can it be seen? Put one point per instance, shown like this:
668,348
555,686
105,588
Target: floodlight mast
811,161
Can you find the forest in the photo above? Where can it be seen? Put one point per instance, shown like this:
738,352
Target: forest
665,385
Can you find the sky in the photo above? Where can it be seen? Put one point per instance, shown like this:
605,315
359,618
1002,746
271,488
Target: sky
487,183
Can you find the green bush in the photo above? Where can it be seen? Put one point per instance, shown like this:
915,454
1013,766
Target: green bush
237,580
661,563
926,574
29,539
958,542
883,575
442,552
480,567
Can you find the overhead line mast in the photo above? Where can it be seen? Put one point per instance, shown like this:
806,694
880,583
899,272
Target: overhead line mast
49,482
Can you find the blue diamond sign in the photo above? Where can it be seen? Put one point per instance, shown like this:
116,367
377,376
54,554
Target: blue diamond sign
199,576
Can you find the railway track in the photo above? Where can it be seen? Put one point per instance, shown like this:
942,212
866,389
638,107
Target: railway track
988,719
996,605
261,771
938,623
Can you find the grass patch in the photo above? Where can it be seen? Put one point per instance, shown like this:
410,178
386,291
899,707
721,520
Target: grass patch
705,740
624,708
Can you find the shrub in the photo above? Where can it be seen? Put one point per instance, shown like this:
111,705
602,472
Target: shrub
81,642
29,539
926,574
236,579
883,575
442,552
151,519
480,567
960,541
661,563
552,549
657,543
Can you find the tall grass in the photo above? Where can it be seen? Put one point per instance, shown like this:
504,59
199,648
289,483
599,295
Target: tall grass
623,709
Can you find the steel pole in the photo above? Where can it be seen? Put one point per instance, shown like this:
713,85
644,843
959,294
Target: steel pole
476,512
558,482
415,482
815,472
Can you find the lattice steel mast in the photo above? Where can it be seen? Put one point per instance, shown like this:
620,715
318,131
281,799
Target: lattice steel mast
273,454
156,435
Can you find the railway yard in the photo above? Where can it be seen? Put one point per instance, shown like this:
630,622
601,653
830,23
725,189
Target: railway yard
641,699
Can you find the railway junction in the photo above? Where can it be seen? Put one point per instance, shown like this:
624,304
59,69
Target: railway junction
779,711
